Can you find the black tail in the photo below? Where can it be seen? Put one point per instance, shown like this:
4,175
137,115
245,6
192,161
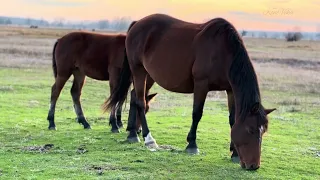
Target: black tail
119,95
54,65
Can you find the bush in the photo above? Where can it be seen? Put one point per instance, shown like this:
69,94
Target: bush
244,33
293,36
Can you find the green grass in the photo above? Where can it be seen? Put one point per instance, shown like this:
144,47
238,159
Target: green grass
290,149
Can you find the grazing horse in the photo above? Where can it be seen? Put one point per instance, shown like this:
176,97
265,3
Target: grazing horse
98,56
184,57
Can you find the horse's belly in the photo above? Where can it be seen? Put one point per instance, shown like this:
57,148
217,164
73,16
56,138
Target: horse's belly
98,75
171,78
183,86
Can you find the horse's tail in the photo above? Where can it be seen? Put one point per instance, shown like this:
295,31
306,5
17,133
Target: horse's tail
119,95
54,65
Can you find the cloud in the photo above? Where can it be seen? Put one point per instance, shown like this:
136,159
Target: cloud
242,13
317,3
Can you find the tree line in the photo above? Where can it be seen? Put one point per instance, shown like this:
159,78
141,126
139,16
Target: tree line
118,24
122,23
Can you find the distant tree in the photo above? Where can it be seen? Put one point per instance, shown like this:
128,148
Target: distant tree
103,24
8,21
318,32
244,33
2,21
318,36
263,35
275,36
293,36
121,24
28,21
82,26
43,22
59,22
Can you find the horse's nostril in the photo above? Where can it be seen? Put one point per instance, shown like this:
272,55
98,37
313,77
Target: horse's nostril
243,165
252,167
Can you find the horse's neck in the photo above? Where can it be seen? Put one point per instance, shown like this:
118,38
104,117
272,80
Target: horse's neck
243,79
245,97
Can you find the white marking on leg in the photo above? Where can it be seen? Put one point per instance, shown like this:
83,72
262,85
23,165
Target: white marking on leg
149,140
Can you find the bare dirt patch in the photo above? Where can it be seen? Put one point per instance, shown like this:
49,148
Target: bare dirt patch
82,149
41,149
100,169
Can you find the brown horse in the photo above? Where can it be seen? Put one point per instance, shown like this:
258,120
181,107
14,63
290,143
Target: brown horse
98,56
184,57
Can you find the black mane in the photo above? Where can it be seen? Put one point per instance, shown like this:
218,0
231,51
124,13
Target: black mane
242,75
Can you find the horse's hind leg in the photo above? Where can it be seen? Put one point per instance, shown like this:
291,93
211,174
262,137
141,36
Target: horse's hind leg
149,84
76,88
231,106
118,115
115,113
55,92
139,79
133,119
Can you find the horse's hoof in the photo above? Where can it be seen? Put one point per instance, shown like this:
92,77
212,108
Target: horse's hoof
192,151
235,159
52,128
133,139
115,130
152,145
88,127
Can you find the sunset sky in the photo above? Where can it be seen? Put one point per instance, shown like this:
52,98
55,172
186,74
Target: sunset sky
244,14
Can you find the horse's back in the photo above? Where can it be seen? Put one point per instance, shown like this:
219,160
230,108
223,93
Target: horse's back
175,53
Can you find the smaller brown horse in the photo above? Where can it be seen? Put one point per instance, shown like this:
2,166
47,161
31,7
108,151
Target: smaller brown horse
98,56
184,57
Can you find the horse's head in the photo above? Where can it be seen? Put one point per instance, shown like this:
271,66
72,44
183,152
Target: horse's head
247,135
149,99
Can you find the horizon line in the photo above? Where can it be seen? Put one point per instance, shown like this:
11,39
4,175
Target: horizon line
68,20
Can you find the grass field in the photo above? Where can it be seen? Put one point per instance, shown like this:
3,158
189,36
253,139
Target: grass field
289,77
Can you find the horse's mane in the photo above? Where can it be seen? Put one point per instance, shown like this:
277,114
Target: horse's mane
241,73
131,24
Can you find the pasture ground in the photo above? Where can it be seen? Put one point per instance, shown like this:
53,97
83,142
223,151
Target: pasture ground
289,78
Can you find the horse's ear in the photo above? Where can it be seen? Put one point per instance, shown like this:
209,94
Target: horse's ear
255,108
268,111
151,97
